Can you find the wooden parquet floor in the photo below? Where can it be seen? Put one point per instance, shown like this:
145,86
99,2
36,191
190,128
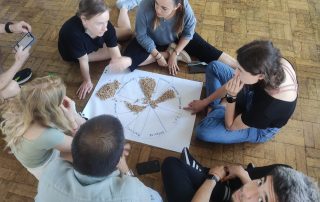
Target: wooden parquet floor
294,27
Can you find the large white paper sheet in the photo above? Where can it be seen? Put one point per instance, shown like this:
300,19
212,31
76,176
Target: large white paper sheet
166,126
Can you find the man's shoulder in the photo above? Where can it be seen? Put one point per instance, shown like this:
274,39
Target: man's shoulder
59,182
57,167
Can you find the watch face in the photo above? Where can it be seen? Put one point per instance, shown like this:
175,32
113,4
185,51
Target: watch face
230,99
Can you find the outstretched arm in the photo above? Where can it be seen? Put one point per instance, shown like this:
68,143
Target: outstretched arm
198,105
18,27
86,85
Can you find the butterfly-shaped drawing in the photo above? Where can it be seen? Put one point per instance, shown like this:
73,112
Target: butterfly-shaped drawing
147,86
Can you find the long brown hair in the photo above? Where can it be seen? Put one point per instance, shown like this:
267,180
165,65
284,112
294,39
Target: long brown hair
261,57
178,28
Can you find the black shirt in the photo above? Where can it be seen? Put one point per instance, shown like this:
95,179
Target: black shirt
267,111
74,42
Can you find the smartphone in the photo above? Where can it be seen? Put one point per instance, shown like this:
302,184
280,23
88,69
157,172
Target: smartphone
196,69
148,167
27,40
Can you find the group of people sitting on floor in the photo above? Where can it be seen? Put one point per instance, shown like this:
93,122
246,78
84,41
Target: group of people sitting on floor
248,100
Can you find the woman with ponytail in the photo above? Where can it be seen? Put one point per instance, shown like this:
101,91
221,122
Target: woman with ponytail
165,33
39,123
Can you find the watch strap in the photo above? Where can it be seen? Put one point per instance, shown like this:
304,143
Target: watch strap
6,27
213,177
230,98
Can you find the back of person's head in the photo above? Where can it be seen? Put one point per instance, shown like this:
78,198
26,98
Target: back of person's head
261,57
39,101
293,186
91,8
98,146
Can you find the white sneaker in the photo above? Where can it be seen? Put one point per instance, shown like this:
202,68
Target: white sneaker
128,4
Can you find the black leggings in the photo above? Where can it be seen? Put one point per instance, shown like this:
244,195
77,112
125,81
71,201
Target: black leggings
197,47
182,181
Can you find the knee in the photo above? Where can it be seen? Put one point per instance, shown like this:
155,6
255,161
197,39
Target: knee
214,67
126,62
121,63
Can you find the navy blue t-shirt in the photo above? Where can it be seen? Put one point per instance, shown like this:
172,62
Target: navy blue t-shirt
74,42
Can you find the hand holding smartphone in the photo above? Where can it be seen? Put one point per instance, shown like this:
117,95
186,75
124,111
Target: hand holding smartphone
27,40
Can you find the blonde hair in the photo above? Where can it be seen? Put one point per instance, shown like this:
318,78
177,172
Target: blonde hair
39,101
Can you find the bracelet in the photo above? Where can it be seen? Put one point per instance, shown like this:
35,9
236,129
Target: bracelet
177,54
213,177
156,55
159,58
6,27
229,95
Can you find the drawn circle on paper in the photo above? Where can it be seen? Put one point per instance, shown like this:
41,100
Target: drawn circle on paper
151,121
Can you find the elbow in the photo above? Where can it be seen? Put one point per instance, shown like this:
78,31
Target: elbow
228,126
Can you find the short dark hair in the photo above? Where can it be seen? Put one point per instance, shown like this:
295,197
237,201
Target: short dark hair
97,146
293,186
91,8
261,57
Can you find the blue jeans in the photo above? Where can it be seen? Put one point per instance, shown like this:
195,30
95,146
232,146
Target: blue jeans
212,128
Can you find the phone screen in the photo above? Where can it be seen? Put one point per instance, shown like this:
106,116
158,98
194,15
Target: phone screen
26,41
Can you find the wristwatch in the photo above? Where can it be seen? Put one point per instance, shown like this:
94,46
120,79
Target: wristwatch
230,98
213,177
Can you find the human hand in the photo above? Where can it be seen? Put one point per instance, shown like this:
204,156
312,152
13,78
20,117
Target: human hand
162,61
196,106
234,85
20,27
234,171
219,171
68,107
21,55
68,104
122,165
84,89
173,65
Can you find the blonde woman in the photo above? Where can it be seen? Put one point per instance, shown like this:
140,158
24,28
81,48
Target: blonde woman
38,123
